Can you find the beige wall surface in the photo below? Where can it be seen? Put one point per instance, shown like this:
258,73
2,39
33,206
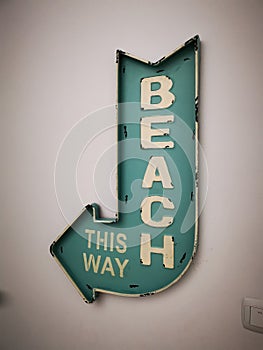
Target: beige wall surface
57,65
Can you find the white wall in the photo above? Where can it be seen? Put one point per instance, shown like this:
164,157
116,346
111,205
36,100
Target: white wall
52,53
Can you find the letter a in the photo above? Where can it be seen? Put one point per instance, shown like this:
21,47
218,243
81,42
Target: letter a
157,164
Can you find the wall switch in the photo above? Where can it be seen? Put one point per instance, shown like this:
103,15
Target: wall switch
252,314
256,316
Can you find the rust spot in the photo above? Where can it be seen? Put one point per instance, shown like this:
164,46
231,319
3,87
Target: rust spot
125,131
146,294
196,108
162,59
118,53
182,259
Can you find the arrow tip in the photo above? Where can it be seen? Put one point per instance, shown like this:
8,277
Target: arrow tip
51,248
118,53
195,40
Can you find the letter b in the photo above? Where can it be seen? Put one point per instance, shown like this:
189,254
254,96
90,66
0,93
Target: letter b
167,97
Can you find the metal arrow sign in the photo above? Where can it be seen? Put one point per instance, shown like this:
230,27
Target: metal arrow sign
152,241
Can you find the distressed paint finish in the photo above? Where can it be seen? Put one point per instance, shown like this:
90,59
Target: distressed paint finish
143,251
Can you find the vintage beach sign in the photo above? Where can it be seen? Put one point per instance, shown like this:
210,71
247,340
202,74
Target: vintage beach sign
153,239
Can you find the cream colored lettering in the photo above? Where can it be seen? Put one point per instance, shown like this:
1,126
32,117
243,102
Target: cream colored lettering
146,211
89,232
147,132
167,251
157,164
167,98
94,265
107,266
109,241
121,265
91,261
122,247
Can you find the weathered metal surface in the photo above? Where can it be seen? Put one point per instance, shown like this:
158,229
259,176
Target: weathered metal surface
152,242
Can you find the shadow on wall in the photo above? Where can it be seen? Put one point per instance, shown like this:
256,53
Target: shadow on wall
5,299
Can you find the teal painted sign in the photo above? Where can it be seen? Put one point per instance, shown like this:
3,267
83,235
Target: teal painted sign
151,242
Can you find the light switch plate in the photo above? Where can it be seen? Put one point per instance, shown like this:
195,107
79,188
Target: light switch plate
252,314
